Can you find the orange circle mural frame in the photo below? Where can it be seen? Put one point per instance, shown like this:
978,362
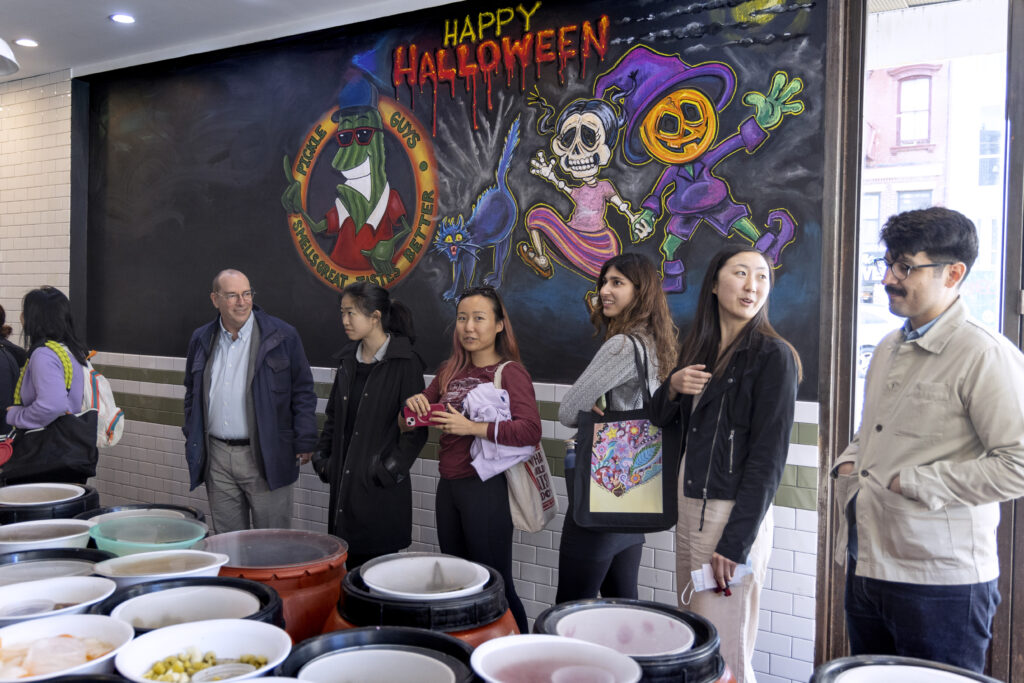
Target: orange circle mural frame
423,220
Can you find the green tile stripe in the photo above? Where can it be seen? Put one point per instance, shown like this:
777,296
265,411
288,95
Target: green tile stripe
152,409
799,488
176,377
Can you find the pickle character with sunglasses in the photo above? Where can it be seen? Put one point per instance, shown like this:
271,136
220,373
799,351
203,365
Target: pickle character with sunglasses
368,215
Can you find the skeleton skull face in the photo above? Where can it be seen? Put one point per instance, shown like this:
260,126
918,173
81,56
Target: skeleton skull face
581,146
680,127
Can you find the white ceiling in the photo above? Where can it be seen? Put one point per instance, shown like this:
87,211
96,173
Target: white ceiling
78,35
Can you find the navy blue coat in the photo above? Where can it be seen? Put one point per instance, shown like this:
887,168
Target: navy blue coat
283,400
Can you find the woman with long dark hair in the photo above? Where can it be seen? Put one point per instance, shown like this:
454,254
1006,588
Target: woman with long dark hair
734,391
362,452
473,517
12,357
52,382
631,304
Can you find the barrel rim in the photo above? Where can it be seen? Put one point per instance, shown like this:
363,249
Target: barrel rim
371,635
359,605
828,670
271,605
706,640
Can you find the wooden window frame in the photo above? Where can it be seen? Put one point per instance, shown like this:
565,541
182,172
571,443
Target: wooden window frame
839,286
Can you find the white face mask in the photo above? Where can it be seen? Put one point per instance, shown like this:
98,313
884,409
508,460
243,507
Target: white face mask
703,579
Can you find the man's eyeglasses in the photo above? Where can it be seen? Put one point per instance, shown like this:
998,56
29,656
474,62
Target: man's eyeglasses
232,297
361,135
901,270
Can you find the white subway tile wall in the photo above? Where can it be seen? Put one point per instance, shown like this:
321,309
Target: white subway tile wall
35,187
148,465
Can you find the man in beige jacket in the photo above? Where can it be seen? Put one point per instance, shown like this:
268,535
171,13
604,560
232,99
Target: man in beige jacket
940,444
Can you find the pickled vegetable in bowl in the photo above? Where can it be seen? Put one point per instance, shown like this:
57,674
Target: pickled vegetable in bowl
49,655
227,639
68,644
182,667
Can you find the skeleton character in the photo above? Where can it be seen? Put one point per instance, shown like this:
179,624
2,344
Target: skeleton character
584,136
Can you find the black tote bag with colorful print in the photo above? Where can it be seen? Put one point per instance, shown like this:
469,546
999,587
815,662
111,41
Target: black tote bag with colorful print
626,467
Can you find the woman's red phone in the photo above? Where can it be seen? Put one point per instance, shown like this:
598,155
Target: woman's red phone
414,420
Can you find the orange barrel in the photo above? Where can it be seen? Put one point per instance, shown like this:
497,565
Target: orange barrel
889,668
474,610
305,569
669,644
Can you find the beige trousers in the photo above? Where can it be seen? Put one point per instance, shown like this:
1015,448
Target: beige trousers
734,616
237,491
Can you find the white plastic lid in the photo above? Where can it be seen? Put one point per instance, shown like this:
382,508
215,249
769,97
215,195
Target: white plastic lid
633,631
39,494
20,572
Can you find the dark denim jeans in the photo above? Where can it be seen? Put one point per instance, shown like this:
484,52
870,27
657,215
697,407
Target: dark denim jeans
950,624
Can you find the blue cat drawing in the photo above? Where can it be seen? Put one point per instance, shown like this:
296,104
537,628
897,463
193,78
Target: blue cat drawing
490,225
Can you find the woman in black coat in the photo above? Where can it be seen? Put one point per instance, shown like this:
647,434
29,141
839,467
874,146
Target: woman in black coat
362,453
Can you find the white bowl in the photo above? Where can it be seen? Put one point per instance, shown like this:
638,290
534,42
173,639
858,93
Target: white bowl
139,512
551,658
39,494
376,664
110,630
35,599
899,673
44,533
226,638
424,576
633,631
171,606
128,570
37,570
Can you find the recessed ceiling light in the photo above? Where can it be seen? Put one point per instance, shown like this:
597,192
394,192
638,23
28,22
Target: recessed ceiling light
26,42
122,18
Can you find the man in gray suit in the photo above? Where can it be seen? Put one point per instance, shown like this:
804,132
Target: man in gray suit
249,410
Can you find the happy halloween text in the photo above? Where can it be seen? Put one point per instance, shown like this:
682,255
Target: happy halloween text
474,46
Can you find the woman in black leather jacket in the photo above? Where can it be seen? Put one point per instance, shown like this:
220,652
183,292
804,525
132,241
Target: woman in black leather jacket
734,393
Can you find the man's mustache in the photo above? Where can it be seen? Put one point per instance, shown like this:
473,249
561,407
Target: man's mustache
896,291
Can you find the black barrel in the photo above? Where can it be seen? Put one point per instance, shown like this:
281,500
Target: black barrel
451,651
189,512
271,609
830,671
361,607
9,514
700,664
26,557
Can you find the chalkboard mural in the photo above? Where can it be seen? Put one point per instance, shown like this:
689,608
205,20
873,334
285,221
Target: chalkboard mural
476,143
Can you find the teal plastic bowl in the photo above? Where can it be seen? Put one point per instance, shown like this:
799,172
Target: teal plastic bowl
143,534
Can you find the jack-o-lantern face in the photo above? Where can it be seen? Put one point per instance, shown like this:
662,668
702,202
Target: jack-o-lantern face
680,127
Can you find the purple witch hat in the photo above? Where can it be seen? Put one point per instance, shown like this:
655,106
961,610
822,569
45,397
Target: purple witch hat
643,77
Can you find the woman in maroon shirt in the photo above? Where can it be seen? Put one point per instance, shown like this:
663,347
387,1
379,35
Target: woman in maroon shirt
473,518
